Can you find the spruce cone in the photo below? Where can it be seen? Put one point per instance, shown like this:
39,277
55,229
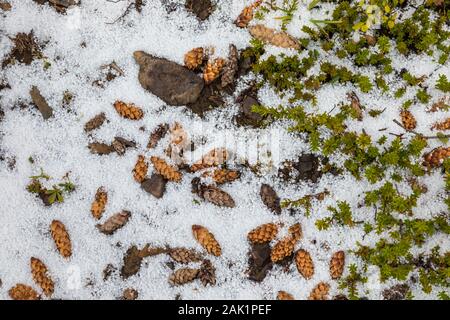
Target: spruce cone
194,58
305,265
212,70
140,169
296,232
282,249
444,125
178,136
246,15
221,176
278,39
157,135
184,255
337,264
207,273
95,123
436,157
99,204
215,196
320,292
231,67
167,171
130,294
183,276
40,275
264,233
283,295
408,120
114,223
128,111
213,158
23,292
441,104
207,240
270,198
61,238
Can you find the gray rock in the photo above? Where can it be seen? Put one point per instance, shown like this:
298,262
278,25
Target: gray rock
156,185
171,82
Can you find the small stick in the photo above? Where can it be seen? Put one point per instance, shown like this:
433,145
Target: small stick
421,135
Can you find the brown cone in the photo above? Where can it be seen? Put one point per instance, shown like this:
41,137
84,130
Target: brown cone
283,295
320,292
41,276
213,158
221,176
296,232
216,196
304,263
167,171
337,263
194,58
157,135
95,122
270,198
264,233
443,125
436,157
128,111
282,249
207,240
99,204
114,223
207,273
231,67
184,255
130,294
246,15
212,70
140,169
278,39
61,238
183,276
408,120
23,292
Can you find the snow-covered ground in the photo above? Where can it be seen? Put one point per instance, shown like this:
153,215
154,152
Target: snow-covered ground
76,45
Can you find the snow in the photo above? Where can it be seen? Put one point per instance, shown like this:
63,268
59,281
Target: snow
59,145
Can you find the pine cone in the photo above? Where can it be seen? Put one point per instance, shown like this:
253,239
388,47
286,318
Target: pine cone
283,295
207,273
443,125
167,171
114,223
213,158
305,265
207,240
320,292
282,249
140,169
216,196
184,255
408,120
128,111
95,123
270,198
337,263
231,67
183,276
436,157
61,238
221,176
212,70
441,104
130,294
278,39
296,232
41,276
23,292
157,135
99,204
194,58
178,135
264,233
246,15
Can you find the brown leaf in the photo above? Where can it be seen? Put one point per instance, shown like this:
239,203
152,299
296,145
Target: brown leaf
41,103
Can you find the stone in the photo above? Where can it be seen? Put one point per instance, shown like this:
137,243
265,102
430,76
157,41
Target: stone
155,185
171,82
